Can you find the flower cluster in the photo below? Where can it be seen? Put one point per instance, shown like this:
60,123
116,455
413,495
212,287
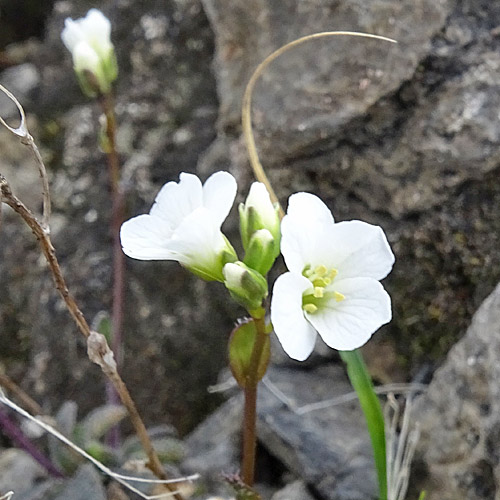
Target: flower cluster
332,285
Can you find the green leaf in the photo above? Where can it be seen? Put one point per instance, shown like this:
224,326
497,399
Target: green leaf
100,420
102,324
241,343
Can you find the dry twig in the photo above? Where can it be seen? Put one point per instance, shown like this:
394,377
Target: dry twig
96,345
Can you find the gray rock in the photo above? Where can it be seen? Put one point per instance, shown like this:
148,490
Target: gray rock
460,415
294,491
317,88
22,81
327,449
85,484
19,472
45,490
213,447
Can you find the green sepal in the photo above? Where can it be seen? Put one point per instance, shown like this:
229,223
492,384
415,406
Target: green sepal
89,84
261,251
247,286
226,256
98,81
241,343
242,490
251,221
109,66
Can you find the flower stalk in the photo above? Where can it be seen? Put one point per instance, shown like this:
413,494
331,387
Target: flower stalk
250,409
117,218
370,404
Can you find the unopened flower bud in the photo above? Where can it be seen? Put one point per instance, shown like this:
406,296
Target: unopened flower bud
246,286
94,59
261,251
256,214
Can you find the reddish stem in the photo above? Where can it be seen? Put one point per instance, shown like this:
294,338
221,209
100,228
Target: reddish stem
117,218
11,430
250,409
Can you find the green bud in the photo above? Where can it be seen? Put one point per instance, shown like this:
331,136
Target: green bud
259,213
261,251
246,286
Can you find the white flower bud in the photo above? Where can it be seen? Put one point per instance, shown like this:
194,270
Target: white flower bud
247,287
258,213
88,40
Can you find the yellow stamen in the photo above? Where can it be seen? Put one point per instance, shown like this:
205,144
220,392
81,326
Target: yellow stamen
321,270
338,296
310,308
319,292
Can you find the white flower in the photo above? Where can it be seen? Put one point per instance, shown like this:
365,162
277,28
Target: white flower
184,225
332,287
89,41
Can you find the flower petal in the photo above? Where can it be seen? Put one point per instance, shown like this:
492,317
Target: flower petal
308,207
146,238
71,34
295,334
303,228
357,249
176,201
97,29
219,192
85,58
348,324
198,243
258,198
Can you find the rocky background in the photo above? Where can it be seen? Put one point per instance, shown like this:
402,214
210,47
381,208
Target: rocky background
405,136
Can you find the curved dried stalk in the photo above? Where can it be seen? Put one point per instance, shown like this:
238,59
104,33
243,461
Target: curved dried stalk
246,117
23,133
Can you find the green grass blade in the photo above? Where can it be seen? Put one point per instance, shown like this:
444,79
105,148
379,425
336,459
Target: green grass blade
370,404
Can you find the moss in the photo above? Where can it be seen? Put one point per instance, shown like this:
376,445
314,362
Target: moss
447,263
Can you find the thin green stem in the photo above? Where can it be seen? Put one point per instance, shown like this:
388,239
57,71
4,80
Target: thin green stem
370,404
250,409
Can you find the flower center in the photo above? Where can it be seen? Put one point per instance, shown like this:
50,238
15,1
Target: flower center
320,277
